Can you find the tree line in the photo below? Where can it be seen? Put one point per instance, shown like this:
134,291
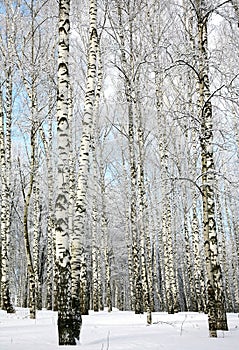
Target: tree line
119,158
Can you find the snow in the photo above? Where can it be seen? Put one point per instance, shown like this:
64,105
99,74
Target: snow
118,330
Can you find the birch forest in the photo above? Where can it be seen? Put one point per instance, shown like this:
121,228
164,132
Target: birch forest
119,151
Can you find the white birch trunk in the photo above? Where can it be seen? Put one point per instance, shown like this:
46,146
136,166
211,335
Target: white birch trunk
72,172
128,239
5,219
234,258
145,246
79,277
96,248
100,286
50,220
105,234
157,258
169,280
170,276
222,248
95,256
7,56
128,69
190,288
35,251
216,303
196,237
66,334
27,198
96,241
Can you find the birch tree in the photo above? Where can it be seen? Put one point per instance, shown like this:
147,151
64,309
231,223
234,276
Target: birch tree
48,149
66,335
6,303
79,276
125,42
8,67
216,303
171,290
28,62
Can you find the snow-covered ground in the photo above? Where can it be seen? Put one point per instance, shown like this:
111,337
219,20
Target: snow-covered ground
118,331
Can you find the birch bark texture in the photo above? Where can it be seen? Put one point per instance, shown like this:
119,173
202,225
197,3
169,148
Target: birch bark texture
65,318
50,220
5,218
27,195
79,269
128,68
5,157
216,303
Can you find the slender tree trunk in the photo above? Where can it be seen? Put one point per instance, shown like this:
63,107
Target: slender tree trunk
169,280
156,262
145,246
50,220
223,254
6,303
36,257
100,286
105,234
27,199
128,70
233,233
79,277
190,291
128,238
196,236
96,243
216,303
170,276
8,65
95,256
66,334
